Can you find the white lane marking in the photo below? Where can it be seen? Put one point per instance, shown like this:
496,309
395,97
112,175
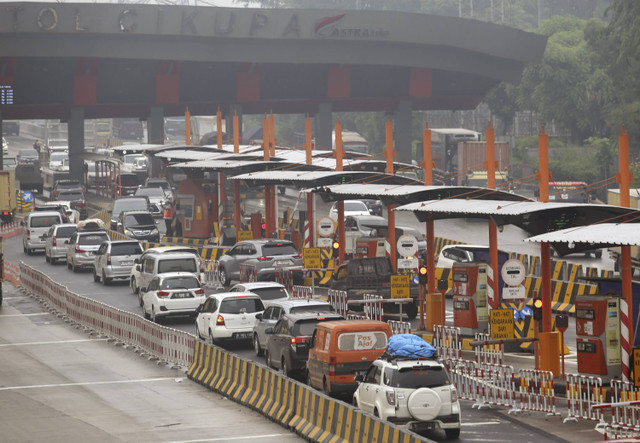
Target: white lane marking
481,423
61,342
88,383
24,315
247,437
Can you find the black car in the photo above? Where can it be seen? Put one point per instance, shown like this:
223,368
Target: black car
138,225
375,206
288,341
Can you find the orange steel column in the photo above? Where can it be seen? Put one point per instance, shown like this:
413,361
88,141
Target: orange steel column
272,135
342,238
545,250
390,154
626,271
219,128
187,127
267,194
236,133
494,301
428,181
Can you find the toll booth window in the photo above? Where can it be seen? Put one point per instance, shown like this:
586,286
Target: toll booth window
585,314
186,206
460,277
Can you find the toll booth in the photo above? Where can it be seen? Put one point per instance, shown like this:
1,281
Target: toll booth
371,247
470,301
598,336
197,207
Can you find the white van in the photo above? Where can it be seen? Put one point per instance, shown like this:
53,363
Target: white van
151,265
36,225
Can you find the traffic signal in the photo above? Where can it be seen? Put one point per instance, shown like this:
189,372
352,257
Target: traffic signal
263,227
422,275
335,249
537,309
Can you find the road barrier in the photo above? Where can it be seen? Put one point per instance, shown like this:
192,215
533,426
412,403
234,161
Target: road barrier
284,276
338,299
496,386
537,391
489,353
167,344
248,273
463,377
302,292
13,229
211,275
399,327
583,392
11,273
625,415
373,307
301,408
446,340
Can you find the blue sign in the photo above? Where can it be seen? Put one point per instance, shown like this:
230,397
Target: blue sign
27,196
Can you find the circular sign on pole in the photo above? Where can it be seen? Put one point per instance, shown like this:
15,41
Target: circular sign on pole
27,196
407,245
325,227
513,272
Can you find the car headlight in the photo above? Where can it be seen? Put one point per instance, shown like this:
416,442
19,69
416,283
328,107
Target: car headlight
155,231
127,232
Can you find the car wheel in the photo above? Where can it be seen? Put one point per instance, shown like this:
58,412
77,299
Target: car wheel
224,278
452,433
24,249
95,276
74,268
213,340
376,413
105,280
307,378
267,358
133,286
412,311
53,260
146,314
256,345
154,317
68,264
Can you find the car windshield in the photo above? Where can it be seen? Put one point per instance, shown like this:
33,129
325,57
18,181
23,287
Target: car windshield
158,184
65,231
58,156
44,221
134,220
312,308
68,185
180,283
151,192
241,305
270,293
177,265
93,239
270,250
355,206
71,196
126,249
129,180
305,327
419,377
128,205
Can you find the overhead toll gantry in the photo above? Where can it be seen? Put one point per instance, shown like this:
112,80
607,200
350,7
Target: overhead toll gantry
533,217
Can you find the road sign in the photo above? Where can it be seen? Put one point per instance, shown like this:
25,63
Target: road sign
325,242
513,272
636,367
501,322
400,286
27,196
407,245
513,293
311,258
326,227
245,235
408,263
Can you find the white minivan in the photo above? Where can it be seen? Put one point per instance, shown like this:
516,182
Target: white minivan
36,224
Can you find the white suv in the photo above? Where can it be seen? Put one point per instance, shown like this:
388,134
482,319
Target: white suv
415,392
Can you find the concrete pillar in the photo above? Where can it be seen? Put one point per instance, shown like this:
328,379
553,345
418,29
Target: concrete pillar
155,126
237,109
402,132
75,135
324,126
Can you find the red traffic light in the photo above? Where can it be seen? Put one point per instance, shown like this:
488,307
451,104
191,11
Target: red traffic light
422,275
263,226
335,245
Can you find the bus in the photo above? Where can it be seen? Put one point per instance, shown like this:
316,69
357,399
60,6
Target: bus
352,141
444,147
569,192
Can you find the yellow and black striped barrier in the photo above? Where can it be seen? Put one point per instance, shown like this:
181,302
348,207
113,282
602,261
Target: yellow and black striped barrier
301,408
186,241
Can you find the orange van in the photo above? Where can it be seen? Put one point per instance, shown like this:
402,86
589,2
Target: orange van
341,349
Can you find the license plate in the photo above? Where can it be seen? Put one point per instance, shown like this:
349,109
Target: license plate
126,263
282,262
242,335
182,295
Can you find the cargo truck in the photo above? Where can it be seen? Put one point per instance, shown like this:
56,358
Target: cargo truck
8,201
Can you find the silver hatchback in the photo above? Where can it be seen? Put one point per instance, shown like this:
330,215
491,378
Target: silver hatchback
54,246
80,248
114,259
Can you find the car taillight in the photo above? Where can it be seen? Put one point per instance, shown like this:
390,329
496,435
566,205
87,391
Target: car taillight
56,192
299,340
454,394
297,256
200,291
391,397
81,204
332,365
6,212
162,294
263,258
220,320
80,251
28,235
109,259
53,241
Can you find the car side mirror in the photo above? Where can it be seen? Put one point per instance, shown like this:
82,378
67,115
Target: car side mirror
268,331
259,316
359,378
143,289
138,268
